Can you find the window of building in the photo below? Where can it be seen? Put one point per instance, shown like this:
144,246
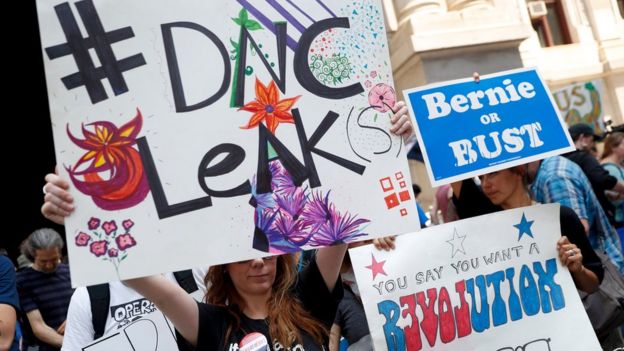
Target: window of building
552,29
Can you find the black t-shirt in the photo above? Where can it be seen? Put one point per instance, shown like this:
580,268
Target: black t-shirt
351,317
473,202
310,289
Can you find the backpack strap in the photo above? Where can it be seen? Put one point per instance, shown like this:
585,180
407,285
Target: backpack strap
99,295
186,280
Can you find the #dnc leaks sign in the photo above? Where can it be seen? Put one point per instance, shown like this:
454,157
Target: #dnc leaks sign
467,128
196,132
444,289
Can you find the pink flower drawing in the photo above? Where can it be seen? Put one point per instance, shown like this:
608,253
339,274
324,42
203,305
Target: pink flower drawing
94,223
82,239
109,227
382,97
110,243
127,224
112,252
125,241
98,248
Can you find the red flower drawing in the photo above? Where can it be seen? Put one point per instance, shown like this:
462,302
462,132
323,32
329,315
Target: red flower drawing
269,108
111,171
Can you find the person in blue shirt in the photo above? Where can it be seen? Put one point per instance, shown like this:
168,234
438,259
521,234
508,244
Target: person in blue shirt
9,306
422,216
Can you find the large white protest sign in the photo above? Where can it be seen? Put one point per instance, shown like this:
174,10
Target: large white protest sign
204,132
491,283
150,333
468,128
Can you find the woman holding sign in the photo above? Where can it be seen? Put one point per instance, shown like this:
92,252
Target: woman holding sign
507,189
255,304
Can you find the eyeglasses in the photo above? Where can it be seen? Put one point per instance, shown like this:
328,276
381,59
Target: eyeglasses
535,345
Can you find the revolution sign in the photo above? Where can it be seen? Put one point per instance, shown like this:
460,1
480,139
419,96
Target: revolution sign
492,282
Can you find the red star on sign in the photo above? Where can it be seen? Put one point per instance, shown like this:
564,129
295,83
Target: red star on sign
376,267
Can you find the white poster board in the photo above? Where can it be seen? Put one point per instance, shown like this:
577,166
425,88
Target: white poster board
203,132
150,333
492,282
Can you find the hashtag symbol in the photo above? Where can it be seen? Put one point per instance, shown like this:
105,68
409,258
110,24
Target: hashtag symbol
88,75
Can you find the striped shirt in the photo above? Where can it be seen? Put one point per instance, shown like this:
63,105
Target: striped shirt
561,180
49,293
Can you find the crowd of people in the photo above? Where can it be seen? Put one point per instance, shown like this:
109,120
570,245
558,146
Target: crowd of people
317,307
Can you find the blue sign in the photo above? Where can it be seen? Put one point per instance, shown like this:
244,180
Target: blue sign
468,128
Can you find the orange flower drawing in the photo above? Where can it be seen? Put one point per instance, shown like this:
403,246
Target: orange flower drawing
269,108
111,171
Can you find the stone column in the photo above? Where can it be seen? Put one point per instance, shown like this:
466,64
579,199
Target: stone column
460,5
406,8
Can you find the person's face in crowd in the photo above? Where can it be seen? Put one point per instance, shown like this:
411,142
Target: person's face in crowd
253,277
46,260
501,186
586,142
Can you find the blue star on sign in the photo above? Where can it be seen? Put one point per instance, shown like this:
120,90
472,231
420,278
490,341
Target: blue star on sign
524,227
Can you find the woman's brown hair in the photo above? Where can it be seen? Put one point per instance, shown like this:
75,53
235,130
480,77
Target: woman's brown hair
286,314
611,142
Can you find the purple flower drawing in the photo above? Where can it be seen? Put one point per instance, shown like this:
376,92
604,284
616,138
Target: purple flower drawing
107,241
292,216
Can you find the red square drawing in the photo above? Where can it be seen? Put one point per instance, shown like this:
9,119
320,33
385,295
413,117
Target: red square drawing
399,175
386,184
391,200
404,195
402,184
403,212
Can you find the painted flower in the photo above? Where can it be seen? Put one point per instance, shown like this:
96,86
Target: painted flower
293,202
268,107
113,252
109,227
317,211
94,223
99,248
292,230
127,224
382,97
82,239
125,241
368,84
339,229
373,74
111,170
280,178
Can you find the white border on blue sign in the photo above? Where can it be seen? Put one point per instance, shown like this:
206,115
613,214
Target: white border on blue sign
503,164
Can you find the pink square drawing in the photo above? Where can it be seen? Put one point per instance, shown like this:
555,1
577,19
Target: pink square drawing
399,175
403,212
402,184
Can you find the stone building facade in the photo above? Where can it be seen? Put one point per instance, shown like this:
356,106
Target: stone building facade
571,42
